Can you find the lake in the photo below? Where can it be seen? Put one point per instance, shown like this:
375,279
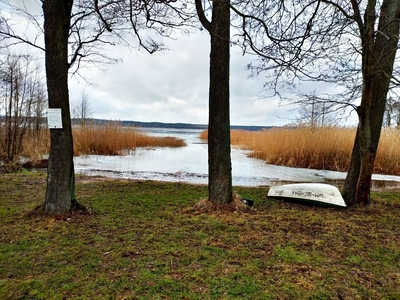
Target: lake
190,164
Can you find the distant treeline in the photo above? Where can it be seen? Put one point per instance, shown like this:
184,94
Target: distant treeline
76,121
169,125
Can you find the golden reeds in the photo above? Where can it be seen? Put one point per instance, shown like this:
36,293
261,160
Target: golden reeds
108,139
114,139
326,148
388,157
36,144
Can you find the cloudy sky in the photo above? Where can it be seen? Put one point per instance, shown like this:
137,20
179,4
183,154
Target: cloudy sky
173,86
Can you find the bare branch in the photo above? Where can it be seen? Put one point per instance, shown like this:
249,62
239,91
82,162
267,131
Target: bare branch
7,34
202,17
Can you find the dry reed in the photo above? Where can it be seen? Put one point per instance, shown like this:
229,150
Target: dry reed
326,148
108,139
388,157
114,139
36,144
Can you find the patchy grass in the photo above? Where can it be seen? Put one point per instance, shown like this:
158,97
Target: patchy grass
142,242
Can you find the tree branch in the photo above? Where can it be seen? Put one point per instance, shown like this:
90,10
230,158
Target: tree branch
202,17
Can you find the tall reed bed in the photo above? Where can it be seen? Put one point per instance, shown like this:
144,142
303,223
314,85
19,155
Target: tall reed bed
35,144
114,139
108,139
388,156
326,148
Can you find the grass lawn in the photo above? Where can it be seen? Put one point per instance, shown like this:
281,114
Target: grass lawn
141,242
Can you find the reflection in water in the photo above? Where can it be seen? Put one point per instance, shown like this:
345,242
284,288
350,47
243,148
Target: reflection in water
190,164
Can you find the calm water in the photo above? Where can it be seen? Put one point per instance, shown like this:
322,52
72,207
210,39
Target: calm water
189,164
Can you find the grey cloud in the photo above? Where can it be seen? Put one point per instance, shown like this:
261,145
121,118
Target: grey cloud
173,87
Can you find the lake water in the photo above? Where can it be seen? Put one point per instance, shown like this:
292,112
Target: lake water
190,164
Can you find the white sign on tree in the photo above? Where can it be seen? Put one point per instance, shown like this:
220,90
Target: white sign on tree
54,119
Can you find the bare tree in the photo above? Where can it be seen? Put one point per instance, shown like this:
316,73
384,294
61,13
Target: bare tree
219,159
379,42
316,113
389,111
21,91
75,33
82,110
39,108
392,112
350,44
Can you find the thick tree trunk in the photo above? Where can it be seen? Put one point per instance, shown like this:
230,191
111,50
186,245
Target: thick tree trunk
219,149
367,152
60,178
379,51
350,184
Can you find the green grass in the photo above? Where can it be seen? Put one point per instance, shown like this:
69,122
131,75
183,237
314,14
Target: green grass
139,242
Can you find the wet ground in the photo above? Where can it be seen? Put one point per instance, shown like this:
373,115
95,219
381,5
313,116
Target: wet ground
190,164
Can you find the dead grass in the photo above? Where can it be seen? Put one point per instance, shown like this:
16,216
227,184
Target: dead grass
327,148
108,139
388,156
114,139
36,144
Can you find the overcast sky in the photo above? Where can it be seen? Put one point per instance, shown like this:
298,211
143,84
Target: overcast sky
173,87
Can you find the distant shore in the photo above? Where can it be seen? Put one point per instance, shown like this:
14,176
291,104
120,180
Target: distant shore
173,125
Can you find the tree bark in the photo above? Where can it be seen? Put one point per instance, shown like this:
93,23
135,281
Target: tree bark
219,149
367,152
379,51
350,184
60,177
219,144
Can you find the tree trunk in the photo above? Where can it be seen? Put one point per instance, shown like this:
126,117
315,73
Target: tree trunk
367,152
350,184
60,178
219,149
379,51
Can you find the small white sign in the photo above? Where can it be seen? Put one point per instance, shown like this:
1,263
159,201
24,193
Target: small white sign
54,119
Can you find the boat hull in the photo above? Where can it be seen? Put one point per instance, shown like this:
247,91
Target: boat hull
310,193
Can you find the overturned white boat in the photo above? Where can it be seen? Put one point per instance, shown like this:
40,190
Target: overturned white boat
312,193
